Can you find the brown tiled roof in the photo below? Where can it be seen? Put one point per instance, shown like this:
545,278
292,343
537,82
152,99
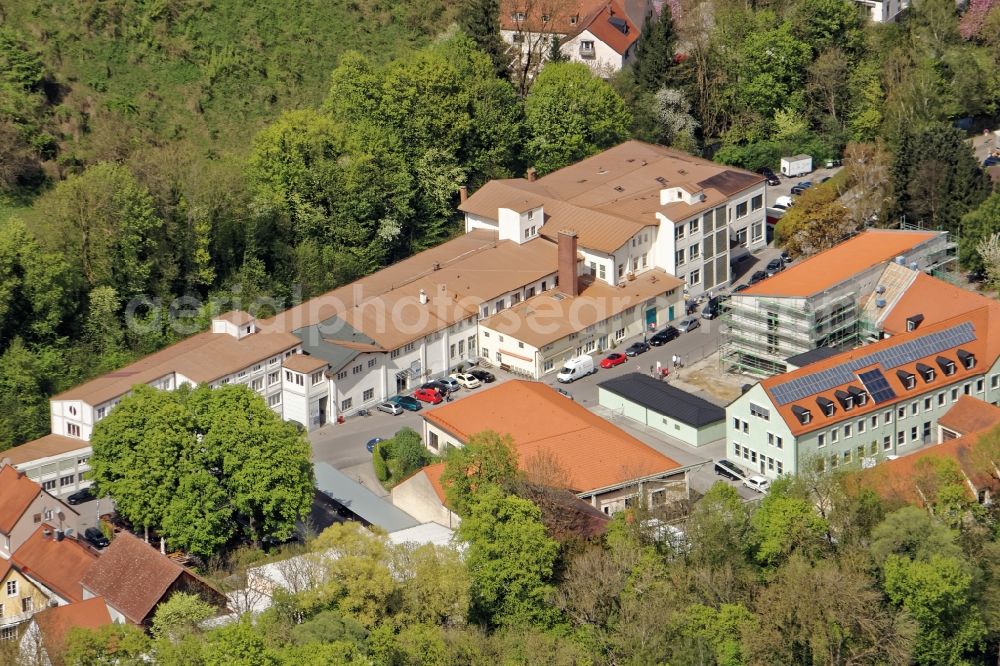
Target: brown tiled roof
203,358
237,317
304,363
594,453
43,447
55,622
132,576
610,197
17,492
986,348
841,262
59,565
552,315
457,276
970,415
560,12
908,478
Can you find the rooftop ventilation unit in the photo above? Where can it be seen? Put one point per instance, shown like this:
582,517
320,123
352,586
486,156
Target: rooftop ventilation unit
901,260
880,289
880,302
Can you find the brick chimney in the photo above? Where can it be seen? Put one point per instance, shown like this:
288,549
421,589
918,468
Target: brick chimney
569,281
463,194
531,175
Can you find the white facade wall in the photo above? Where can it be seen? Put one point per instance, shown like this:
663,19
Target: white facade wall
60,475
605,60
479,222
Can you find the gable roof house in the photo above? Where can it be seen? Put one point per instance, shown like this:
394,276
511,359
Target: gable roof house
602,464
134,578
603,34
56,563
24,505
45,640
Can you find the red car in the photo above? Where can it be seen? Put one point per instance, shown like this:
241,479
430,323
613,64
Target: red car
613,359
427,395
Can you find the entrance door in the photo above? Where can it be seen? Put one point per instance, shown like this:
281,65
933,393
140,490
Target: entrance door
670,313
322,410
762,464
651,318
401,383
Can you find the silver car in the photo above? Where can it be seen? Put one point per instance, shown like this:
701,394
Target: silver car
688,325
390,408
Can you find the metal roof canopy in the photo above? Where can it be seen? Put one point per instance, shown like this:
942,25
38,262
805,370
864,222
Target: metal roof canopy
359,500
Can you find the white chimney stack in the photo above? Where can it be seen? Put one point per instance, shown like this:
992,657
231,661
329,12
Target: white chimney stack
423,297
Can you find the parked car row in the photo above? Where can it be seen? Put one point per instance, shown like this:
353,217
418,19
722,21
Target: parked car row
436,391
730,470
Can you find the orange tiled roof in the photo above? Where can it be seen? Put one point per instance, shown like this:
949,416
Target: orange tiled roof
904,478
17,492
985,346
59,565
595,453
970,415
433,473
55,622
560,13
831,267
600,26
935,299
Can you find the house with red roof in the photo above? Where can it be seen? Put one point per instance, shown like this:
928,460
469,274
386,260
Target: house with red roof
24,506
44,642
596,461
603,34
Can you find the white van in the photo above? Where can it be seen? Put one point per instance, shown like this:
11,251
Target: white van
581,366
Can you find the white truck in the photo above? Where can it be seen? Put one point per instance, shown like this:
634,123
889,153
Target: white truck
581,366
797,165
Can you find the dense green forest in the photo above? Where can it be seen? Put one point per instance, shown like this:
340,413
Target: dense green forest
153,150
820,571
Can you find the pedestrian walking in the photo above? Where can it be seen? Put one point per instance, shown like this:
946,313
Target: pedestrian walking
673,360
650,368
657,367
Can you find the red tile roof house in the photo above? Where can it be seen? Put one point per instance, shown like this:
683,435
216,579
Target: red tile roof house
603,464
134,578
23,507
45,639
57,564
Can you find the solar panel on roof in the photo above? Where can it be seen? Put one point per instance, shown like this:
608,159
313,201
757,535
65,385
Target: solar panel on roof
877,385
893,357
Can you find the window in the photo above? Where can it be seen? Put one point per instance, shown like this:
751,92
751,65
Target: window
900,438
12,588
834,436
695,277
67,481
619,334
901,412
757,202
101,411
73,430
409,347
586,45
847,430
345,404
602,271
371,363
834,460
694,251
257,384
274,400
8,633
679,257
547,365
821,440
927,403
995,381
770,438
741,210
273,378
736,449
967,388
369,394
317,377
753,456
760,412
941,398
777,442
572,20
887,442
770,463
979,385
693,226
887,417
847,456
517,16
679,232
778,467
914,408
26,606
913,434
954,394
874,420
621,270
451,351
758,230
861,426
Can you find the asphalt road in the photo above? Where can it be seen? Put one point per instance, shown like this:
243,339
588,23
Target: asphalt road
785,188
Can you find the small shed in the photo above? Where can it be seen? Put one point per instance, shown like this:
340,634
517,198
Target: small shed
658,405
797,165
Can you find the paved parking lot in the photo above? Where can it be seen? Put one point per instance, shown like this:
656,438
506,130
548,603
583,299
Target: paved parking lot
785,188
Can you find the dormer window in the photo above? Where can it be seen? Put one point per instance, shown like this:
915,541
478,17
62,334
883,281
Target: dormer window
802,414
946,364
908,379
572,20
845,399
926,371
968,359
859,395
913,322
517,16
826,406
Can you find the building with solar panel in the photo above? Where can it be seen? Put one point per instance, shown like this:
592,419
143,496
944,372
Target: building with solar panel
820,302
885,398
